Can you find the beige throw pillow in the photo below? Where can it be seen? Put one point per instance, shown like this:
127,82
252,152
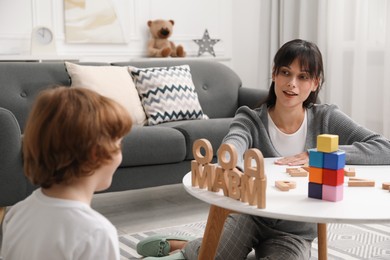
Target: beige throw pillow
110,81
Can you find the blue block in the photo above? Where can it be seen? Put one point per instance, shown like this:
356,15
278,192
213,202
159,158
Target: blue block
315,190
316,158
335,160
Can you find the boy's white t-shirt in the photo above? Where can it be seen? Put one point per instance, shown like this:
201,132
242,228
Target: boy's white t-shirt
288,144
42,227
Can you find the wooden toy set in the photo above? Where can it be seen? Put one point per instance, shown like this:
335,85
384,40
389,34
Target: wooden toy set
248,186
326,169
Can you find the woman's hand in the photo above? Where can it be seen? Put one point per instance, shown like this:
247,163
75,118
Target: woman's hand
295,160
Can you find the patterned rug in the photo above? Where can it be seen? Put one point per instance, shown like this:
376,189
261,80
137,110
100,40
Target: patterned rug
345,241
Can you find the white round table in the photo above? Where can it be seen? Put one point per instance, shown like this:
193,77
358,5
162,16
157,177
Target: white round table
359,204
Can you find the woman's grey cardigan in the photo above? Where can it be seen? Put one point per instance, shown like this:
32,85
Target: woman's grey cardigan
249,129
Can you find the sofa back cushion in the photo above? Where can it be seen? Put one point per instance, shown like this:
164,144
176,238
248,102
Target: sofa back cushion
20,82
216,84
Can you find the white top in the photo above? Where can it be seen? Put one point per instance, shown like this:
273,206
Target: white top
359,205
42,227
288,144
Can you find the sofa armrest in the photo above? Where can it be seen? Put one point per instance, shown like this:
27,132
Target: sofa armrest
13,183
251,97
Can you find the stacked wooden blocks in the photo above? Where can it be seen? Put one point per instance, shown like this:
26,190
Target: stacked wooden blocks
326,169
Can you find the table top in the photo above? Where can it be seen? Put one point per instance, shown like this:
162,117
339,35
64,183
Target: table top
359,205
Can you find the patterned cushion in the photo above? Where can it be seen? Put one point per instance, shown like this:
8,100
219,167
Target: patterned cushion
167,93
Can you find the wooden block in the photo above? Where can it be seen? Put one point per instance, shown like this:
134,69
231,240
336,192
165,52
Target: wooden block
305,167
297,172
316,158
357,182
204,145
349,172
250,156
301,173
285,185
386,185
291,169
234,177
335,160
333,177
253,191
227,156
315,190
327,143
332,193
315,175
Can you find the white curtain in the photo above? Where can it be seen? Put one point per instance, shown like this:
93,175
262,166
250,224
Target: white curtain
354,38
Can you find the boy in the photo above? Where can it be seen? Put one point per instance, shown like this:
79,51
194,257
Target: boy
71,149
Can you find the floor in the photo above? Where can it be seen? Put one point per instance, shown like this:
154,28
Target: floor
152,208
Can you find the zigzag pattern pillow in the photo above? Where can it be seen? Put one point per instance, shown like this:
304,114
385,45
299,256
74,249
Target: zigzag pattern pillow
167,93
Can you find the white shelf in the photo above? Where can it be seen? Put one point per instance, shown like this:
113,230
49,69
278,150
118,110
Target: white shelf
38,58
184,58
48,58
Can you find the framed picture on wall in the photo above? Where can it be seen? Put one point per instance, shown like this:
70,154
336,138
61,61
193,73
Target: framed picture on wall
92,21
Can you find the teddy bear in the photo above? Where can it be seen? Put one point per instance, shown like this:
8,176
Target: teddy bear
159,45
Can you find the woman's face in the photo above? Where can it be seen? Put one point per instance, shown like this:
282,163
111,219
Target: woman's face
293,85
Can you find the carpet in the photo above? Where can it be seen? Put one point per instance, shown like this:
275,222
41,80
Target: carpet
349,242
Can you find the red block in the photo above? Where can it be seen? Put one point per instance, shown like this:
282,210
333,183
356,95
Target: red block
333,177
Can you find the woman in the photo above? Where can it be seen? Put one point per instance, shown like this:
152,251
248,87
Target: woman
285,125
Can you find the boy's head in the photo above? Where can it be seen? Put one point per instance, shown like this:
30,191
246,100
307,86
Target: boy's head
70,133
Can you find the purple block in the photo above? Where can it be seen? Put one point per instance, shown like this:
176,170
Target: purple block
315,190
316,158
335,160
332,193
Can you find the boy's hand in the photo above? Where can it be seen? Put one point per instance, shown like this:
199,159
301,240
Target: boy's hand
295,160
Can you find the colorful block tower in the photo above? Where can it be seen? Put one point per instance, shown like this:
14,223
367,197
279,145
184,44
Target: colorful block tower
326,169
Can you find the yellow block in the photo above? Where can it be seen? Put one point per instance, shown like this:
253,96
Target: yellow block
327,143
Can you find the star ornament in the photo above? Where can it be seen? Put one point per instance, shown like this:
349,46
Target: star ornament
206,44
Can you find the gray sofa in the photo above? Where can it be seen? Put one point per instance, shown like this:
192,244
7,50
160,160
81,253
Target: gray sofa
152,155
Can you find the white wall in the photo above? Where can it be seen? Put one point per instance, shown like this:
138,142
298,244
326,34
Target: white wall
235,22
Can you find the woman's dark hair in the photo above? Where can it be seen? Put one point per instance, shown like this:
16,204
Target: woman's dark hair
309,57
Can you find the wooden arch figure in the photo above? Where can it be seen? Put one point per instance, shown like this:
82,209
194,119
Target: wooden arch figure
227,176
203,171
254,181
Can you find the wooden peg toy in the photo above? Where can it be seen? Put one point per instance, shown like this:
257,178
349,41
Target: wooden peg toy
386,186
296,172
203,171
305,167
349,172
285,185
357,182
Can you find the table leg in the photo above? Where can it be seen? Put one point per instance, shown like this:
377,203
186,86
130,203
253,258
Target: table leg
322,241
2,214
214,226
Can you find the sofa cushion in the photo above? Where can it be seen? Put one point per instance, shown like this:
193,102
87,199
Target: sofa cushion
212,129
151,145
111,81
167,93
